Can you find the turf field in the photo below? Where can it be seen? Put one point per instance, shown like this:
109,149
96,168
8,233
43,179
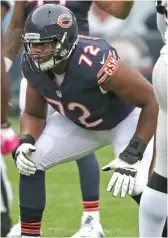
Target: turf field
119,217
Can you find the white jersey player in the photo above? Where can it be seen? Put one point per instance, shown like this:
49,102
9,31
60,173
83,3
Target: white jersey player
153,208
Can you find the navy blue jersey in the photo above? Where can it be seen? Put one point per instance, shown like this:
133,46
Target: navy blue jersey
80,97
79,8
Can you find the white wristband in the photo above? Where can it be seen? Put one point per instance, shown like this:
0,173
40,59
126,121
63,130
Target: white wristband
8,63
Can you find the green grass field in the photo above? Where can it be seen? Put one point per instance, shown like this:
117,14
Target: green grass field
63,211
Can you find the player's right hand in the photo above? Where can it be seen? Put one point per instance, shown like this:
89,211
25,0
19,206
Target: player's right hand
23,157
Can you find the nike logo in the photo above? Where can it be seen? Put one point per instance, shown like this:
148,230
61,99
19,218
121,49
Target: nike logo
88,219
102,91
103,60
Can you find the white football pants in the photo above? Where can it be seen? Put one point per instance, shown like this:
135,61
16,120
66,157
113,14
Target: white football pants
160,84
153,206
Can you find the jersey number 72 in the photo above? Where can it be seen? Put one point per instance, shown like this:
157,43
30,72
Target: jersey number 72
93,50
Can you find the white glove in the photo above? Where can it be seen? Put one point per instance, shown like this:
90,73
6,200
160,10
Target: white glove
23,159
123,178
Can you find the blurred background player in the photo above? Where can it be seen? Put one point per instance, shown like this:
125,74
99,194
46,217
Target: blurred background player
88,165
9,141
152,220
136,38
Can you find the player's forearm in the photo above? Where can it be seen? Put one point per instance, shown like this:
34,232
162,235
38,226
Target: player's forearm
31,125
13,35
121,9
13,42
118,9
147,123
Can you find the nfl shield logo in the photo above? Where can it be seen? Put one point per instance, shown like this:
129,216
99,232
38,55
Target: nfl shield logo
59,94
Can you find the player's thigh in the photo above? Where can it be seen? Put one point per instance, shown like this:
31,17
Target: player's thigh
161,144
146,167
160,81
63,141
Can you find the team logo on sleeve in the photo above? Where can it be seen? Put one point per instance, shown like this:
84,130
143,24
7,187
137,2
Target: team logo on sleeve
65,20
109,68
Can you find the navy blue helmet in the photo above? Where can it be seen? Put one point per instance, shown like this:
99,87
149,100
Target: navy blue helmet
49,24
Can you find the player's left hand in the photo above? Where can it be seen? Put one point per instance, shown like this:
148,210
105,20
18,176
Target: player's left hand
123,178
126,167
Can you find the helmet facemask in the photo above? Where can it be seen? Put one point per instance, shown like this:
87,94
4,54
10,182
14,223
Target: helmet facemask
44,61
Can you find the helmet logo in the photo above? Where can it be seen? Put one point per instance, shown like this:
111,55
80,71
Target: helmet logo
64,20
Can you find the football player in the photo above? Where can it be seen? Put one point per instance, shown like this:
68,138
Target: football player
89,165
84,80
153,206
9,141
